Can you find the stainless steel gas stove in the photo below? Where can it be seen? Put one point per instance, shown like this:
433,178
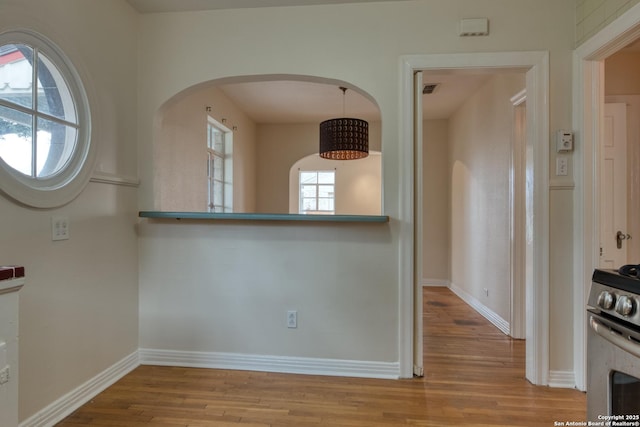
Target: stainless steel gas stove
613,345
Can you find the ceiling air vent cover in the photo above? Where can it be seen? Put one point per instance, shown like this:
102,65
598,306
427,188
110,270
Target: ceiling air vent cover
429,88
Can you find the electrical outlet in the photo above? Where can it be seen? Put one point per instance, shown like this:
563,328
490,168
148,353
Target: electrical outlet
292,319
4,375
59,228
486,292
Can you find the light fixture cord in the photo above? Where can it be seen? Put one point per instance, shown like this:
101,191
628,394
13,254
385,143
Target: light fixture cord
344,92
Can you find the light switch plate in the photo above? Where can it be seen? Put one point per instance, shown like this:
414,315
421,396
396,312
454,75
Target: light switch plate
562,166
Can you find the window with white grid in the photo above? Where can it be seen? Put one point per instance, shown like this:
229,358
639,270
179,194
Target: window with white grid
317,192
219,167
45,131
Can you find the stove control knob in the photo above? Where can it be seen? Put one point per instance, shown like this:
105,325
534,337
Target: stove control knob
625,306
606,300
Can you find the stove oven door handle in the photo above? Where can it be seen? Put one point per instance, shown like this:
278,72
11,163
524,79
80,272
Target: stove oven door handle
614,337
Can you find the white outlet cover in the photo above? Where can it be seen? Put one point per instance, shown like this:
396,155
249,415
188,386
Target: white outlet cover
292,319
562,166
59,228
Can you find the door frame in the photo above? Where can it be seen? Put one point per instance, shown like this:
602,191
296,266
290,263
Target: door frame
588,105
537,292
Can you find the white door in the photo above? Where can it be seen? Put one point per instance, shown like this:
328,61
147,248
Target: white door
518,194
613,187
418,364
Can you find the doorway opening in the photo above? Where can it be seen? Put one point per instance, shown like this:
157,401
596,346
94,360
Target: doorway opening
535,65
619,159
471,223
590,97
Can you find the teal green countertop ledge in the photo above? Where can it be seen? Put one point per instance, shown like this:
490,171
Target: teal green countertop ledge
262,217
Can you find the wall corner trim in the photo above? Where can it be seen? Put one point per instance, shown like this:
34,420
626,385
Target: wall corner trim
77,397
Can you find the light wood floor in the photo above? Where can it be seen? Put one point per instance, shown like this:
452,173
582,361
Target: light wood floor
474,377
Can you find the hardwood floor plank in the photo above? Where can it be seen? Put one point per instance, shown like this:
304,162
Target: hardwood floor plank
474,376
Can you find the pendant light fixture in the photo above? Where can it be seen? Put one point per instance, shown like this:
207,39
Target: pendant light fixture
344,138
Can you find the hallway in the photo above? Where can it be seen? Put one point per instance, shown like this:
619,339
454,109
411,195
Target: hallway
474,377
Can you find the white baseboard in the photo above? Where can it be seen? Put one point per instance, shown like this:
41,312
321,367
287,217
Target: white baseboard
71,401
436,282
485,311
282,364
562,379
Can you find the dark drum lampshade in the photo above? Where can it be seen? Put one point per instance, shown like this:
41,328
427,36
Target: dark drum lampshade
344,139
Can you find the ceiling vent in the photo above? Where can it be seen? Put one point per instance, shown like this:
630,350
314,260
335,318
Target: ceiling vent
429,88
474,27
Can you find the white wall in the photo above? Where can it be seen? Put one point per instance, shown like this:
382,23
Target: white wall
358,184
79,305
480,155
340,42
181,151
436,209
621,70
231,292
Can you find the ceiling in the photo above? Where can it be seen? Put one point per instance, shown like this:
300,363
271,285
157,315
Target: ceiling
155,6
452,90
298,101
305,102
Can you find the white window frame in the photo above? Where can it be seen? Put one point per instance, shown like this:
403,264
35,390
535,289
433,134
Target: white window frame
225,183
317,184
67,183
